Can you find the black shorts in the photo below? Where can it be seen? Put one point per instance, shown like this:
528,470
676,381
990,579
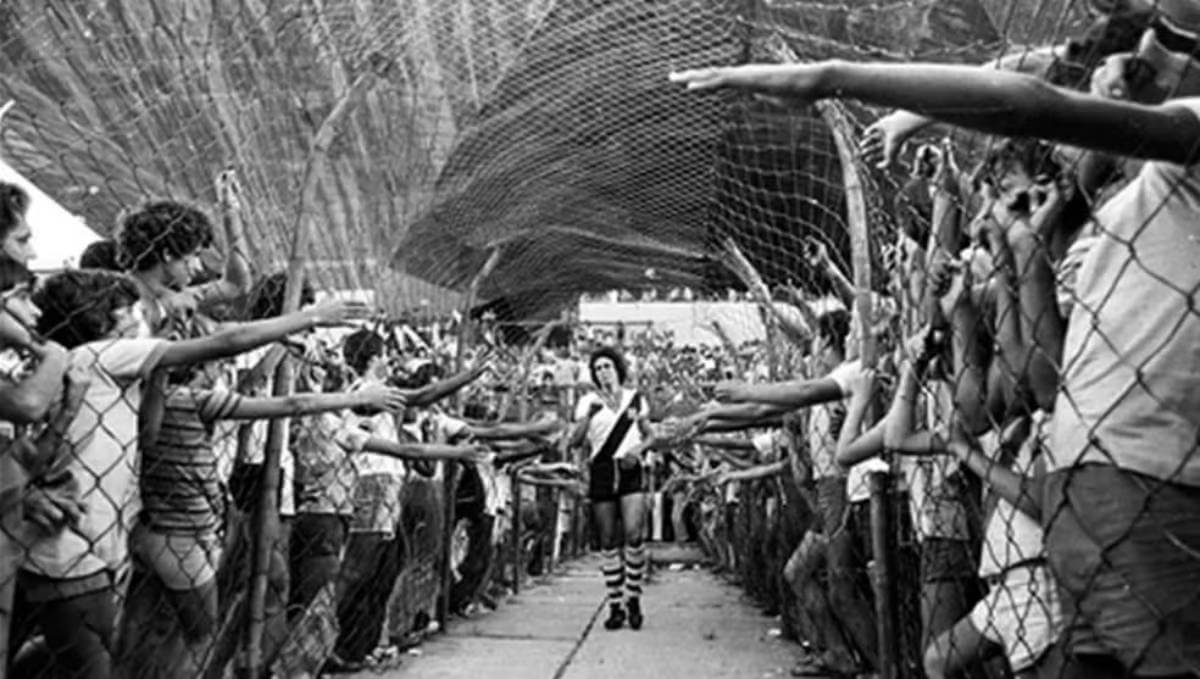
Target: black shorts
608,481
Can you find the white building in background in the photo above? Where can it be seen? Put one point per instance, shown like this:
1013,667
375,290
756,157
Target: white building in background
59,236
691,322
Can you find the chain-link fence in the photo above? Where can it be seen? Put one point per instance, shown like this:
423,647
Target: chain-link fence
972,402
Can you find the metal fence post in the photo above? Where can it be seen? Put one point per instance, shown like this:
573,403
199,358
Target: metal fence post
515,537
557,531
450,486
883,574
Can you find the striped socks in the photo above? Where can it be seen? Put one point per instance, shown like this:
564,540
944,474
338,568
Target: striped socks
613,575
635,568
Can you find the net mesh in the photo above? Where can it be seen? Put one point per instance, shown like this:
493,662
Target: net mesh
471,169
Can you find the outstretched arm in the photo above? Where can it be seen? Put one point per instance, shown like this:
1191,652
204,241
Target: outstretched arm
293,405
819,257
1042,328
728,417
237,278
852,447
246,336
842,286
425,451
515,430
726,443
987,100
762,471
788,395
1019,490
899,433
801,304
438,390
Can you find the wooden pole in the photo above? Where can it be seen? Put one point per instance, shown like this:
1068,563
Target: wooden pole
883,575
860,254
515,537
466,325
450,483
520,390
737,262
266,517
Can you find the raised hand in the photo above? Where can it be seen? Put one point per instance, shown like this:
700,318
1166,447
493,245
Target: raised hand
13,330
53,507
1049,199
881,141
53,446
686,428
942,273
384,397
817,254
478,454
229,191
861,380
915,346
339,312
923,347
181,304
946,172
730,391
1120,76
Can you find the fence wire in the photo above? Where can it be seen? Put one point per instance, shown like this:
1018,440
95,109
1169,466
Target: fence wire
958,438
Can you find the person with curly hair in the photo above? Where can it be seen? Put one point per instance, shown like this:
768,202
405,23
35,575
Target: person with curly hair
16,239
68,581
613,421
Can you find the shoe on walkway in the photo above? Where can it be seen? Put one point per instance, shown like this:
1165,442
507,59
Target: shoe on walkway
635,613
822,665
616,617
335,665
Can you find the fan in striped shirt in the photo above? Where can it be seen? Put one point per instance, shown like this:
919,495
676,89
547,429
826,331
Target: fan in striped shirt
176,544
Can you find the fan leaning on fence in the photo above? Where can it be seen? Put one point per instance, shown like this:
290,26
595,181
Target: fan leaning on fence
70,574
1121,499
612,420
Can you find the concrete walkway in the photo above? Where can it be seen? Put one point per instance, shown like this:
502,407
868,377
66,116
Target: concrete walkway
697,627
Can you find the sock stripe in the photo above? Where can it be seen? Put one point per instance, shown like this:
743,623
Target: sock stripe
635,567
614,574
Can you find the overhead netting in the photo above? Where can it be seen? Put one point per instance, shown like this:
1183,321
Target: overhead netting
542,129
473,169
582,161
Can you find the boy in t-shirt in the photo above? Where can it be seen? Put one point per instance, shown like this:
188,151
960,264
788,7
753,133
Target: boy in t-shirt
70,576
176,543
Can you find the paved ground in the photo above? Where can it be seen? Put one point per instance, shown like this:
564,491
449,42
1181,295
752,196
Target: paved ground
697,627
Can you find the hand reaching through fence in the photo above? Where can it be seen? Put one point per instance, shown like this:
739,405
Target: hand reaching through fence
883,139
53,504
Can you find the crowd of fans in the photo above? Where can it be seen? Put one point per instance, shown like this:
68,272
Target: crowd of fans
1044,348
1029,384
139,402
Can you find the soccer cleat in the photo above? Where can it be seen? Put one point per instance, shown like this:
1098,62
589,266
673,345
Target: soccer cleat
635,613
616,617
